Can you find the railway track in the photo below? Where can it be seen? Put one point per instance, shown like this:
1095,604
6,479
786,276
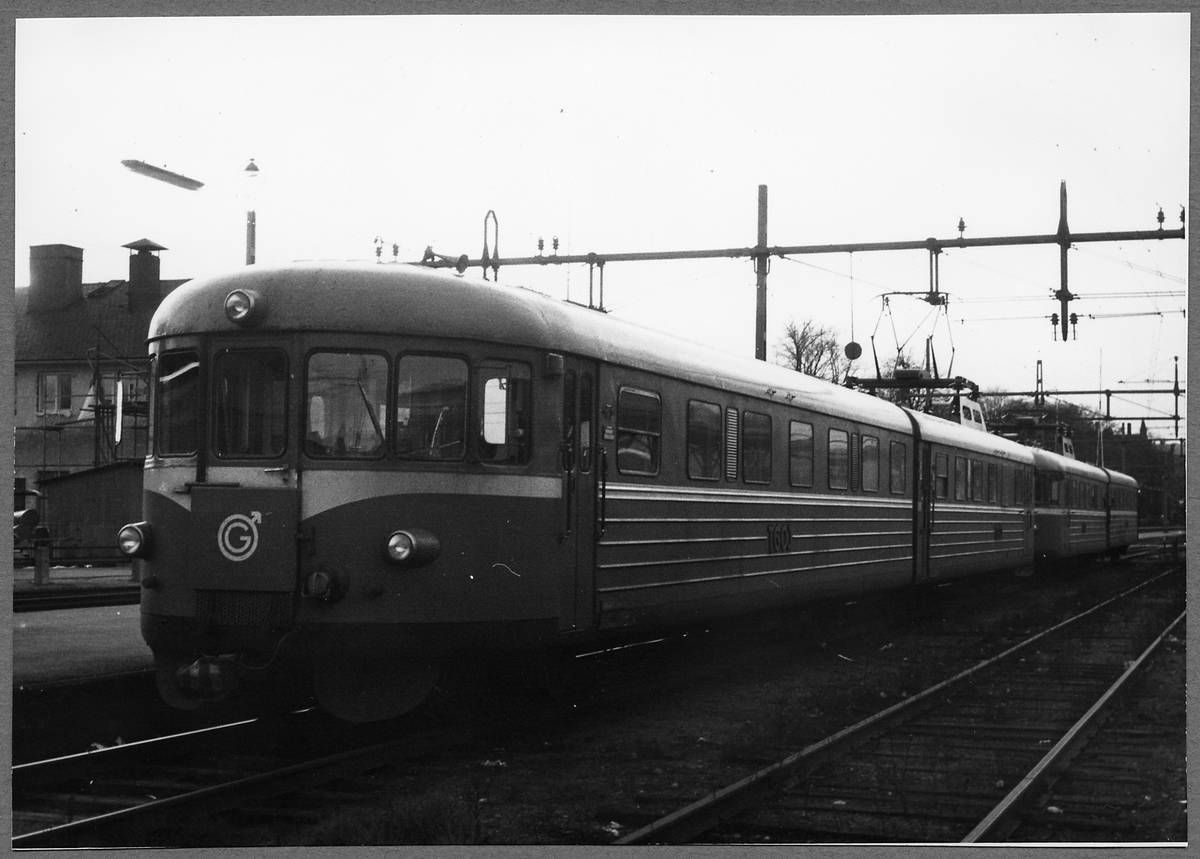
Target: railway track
140,793
961,761
76,598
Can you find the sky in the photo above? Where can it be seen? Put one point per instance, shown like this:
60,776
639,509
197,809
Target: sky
635,134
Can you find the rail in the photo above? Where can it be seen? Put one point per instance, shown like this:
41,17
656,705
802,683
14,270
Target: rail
708,812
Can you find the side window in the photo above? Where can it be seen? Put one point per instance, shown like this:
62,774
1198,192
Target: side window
177,399
898,457
704,440
756,447
839,459
941,474
503,412
976,480
347,405
993,483
431,407
800,453
960,479
639,431
870,463
250,404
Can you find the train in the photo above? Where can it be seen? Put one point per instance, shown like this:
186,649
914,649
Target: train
361,473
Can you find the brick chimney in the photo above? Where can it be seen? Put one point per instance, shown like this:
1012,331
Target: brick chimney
145,282
55,277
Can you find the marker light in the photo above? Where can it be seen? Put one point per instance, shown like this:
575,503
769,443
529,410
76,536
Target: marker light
412,547
243,307
134,540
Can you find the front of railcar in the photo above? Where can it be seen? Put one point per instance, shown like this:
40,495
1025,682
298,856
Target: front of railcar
339,495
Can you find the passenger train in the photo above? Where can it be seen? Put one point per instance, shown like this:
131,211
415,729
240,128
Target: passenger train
359,472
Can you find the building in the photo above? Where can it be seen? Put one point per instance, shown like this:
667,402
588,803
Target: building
81,366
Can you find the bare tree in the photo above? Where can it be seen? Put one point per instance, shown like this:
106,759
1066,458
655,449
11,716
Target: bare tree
813,350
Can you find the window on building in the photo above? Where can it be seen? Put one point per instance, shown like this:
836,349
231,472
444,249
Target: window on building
347,405
704,440
54,394
839,459
639,431
431,407
756,447
800,453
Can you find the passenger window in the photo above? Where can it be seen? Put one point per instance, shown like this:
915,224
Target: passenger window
993,483
870,463
839,459
898,457
976,480
250,404
177,399
347,405
756,448
431,407
800,454
960,479
942,475
639,431
504,412
704,441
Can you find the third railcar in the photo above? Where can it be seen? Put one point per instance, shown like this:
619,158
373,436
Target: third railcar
1082,510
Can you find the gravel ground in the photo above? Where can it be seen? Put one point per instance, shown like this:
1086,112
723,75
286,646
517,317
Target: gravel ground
657,726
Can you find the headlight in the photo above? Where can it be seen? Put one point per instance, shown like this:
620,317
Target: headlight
412,547
134,540
243,307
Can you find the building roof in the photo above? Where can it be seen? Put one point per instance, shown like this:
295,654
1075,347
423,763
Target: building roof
101,318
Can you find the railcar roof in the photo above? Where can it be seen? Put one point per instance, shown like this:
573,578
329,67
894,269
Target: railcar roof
410,300
942,431
1049,461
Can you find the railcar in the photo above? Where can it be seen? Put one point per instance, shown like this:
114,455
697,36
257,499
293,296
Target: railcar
358,473
1082,510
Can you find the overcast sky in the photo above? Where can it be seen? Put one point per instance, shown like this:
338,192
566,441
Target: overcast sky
649,134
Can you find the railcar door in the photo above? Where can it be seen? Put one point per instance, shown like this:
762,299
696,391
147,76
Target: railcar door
923,511
579,474
245,501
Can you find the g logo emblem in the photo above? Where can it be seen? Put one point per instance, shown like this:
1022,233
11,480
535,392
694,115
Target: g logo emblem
237,538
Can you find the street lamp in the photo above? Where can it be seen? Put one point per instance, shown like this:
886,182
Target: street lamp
250,172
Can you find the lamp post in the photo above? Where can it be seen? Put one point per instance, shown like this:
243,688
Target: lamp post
250,172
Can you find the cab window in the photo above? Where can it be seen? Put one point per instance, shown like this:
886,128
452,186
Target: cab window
347,405
177,397
250,404
503,412
431,407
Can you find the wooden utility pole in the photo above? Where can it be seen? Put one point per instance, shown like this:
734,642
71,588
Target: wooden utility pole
762,263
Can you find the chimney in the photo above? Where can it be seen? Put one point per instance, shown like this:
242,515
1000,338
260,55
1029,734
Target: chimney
55,277
145,283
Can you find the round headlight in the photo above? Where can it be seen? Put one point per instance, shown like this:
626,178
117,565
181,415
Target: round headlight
134,540
243,306
400,546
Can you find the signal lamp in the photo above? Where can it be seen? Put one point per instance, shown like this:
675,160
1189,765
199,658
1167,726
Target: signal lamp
244,307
